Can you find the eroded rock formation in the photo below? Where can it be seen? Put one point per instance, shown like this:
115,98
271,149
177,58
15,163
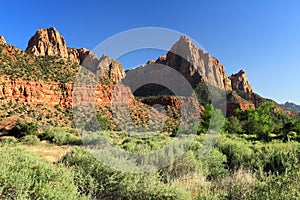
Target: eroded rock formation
58,94
239,82
196,65
47,42
2,40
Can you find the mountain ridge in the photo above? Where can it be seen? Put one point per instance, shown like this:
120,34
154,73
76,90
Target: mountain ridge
33,74
291,106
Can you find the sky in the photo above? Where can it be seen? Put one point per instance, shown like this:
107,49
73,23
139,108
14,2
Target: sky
261,37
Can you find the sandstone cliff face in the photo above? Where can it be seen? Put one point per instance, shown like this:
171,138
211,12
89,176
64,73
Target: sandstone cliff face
51,43
106,68
234,101
239,82
110,68
58,94
2,40
79,55
47,42
196,65
231,107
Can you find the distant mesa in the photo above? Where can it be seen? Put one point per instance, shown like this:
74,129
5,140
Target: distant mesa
291,106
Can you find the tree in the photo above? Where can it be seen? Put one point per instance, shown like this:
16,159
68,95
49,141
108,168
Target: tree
204,125
211,119
217,120
233,125
259,122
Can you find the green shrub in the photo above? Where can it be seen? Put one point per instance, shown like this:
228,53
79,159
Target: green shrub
30,140
143,145
213,165
8,140
273,186
276,186
99,181
98,123
187,164
233,125
277,157
237,151
61,136
209,194
104,123
24,176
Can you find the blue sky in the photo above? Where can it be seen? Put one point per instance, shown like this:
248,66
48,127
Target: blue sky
261,37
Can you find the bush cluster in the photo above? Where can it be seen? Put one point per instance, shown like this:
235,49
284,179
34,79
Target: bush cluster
26,176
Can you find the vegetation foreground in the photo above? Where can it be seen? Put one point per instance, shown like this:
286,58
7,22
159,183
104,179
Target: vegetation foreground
250,160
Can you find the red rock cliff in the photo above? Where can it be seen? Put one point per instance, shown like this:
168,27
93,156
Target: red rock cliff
58,94
239,82
50,42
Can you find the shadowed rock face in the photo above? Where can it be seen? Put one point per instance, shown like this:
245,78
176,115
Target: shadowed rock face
196,67
194,64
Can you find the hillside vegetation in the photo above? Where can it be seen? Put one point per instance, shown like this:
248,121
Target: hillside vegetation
15,63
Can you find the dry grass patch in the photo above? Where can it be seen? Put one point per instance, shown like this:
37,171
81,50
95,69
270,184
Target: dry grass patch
49,152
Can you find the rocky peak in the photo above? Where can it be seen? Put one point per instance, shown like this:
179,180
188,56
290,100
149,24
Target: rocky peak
50,42
291,106
185,48
79,55
2,40
196,65
47,42
106,68
239,82
111,69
